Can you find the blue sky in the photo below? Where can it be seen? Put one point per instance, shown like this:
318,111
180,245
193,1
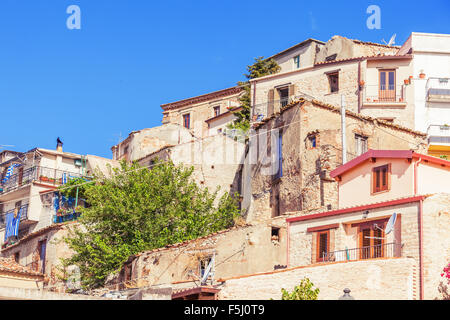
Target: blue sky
88,86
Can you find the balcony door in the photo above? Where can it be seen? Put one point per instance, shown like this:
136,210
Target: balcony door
386,90
371,240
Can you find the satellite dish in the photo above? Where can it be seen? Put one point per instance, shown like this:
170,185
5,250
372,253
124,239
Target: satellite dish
389,227
391,223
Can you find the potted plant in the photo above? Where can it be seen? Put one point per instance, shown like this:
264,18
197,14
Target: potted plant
43,178
362,82
407,81
60,212
422,75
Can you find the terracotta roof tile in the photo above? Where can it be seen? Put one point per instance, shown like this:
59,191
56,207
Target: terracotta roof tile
9,265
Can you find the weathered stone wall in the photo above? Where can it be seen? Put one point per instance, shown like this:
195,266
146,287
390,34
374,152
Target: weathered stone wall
306,184
199,112
238,251
56,249
384,279
436,242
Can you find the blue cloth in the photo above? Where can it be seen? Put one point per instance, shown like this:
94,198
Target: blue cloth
9,172
12,224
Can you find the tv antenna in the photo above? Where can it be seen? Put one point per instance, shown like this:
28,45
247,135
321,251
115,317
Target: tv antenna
5,145
391,41
389,227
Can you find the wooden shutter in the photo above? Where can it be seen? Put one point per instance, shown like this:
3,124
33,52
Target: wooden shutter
270,105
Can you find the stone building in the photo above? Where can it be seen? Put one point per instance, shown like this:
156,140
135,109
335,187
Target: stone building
217,161
192,113
236,251
388,239
291,155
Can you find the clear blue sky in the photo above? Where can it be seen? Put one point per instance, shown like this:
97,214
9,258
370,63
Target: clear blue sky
87,86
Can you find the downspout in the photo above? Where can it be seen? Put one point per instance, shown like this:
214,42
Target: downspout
359,86
287,246
416,164
421,249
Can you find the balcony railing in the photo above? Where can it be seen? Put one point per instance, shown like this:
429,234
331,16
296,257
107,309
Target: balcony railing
438,90
379,94
439,134
387,250
23,215
37,173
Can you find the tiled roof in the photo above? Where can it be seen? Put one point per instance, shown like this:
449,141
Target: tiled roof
375,44
201,98
184,243
39,232
9,265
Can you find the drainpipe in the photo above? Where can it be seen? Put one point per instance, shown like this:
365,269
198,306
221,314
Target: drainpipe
416,164
421,249
344,147
287,246
359,86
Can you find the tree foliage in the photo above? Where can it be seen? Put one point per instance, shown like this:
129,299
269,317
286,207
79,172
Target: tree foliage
261,67
138,209
304,291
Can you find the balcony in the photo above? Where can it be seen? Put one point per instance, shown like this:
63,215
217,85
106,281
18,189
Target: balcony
438,90
37,173
384,96
387,250
23,215
439,134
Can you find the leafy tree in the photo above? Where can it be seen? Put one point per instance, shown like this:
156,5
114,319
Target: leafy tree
138,209
261,67
304,291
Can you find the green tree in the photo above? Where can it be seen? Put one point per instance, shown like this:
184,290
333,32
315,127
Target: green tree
261,67
304,291
138,209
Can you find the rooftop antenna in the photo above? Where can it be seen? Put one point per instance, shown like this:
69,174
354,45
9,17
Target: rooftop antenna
2,146
389,227
391,41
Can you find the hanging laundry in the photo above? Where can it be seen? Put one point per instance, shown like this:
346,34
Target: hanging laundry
9,172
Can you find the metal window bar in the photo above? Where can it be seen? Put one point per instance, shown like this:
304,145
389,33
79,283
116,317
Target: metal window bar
384,93
387,250
37,173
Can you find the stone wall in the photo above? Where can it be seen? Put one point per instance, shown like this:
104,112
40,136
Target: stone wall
383,279
237,251
305,183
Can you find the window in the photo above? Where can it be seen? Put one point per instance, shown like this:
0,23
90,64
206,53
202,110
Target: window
42,248
284,96
275,234
279,173
323,245
216,111
333,79
312,141
361,144
297,61
387,85
203,264
371,239
17,257
381,178
187,120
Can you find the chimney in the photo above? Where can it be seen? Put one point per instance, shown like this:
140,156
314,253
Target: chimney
59,145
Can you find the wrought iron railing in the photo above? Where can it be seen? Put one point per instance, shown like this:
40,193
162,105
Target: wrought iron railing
387,250
383,93
37,173
23,215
